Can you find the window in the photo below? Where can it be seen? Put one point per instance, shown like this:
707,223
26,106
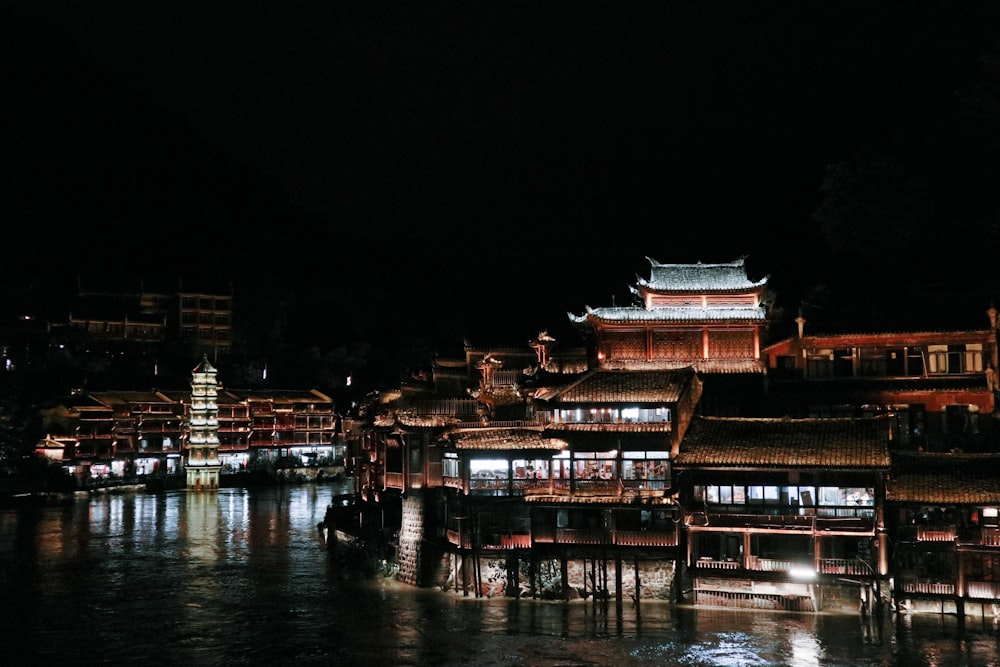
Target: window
974,358
819,364
843,363
488,468
831,495
955,358
914,361
873,363
726,495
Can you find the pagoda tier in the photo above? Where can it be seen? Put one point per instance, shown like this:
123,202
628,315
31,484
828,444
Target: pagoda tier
203,466
708,316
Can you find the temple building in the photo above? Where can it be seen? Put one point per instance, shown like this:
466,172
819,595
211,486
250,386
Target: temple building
709,316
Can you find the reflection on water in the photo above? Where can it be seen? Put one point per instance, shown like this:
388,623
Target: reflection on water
242,577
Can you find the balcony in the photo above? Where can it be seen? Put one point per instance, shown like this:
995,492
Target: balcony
835,566
599,536
982,590
926,586
850,566
928,533
781,523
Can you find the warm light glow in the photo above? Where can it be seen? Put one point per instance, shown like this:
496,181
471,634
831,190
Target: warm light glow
802,572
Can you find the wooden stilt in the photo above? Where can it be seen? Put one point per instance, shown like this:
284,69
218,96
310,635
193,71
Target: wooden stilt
564,575
477,577
618,585
638,588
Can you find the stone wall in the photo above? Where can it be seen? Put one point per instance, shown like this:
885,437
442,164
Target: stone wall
411,535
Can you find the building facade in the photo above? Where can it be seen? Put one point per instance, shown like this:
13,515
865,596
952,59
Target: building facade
692,459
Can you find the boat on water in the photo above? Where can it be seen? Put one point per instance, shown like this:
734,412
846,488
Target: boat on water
353,531
350,520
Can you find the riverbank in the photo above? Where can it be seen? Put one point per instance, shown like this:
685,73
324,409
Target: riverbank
18,495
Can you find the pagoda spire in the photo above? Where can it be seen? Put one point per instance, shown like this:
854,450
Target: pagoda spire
202,464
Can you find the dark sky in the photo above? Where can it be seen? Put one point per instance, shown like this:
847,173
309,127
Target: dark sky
478,168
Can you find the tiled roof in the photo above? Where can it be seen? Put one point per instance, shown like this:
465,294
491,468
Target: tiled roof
630,499
613,427
785,443
223,397
702,366
944,489
686,314
284,395
616,387
413,420
504,439
121,397
726,277
845,388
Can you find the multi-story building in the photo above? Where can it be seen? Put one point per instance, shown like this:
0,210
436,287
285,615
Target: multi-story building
939,383
785,512
711,317
944,516
117,319
136,434
691,459
298,424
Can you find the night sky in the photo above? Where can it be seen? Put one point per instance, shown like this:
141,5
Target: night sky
480,169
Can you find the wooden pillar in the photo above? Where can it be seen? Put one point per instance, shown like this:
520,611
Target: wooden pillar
564,575
618,584
817,551
593,580
477,577
678,583
536,573
513,577
638,587
883,553
465,573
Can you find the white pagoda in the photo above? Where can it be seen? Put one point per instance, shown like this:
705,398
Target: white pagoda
202,465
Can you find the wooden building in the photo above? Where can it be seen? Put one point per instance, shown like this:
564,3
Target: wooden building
689,458
709,316
944,516
138,434
123,320
784,513
940,385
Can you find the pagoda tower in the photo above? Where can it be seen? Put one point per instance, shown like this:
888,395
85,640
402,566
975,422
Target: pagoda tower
202,465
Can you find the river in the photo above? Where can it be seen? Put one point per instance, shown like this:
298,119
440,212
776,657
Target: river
242,577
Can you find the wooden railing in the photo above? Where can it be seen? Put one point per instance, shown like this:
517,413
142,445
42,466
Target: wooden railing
706,563
644,538
927,587
936,533
851,566
982,590
845,566
550,535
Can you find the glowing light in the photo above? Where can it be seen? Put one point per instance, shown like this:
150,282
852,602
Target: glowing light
802,572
